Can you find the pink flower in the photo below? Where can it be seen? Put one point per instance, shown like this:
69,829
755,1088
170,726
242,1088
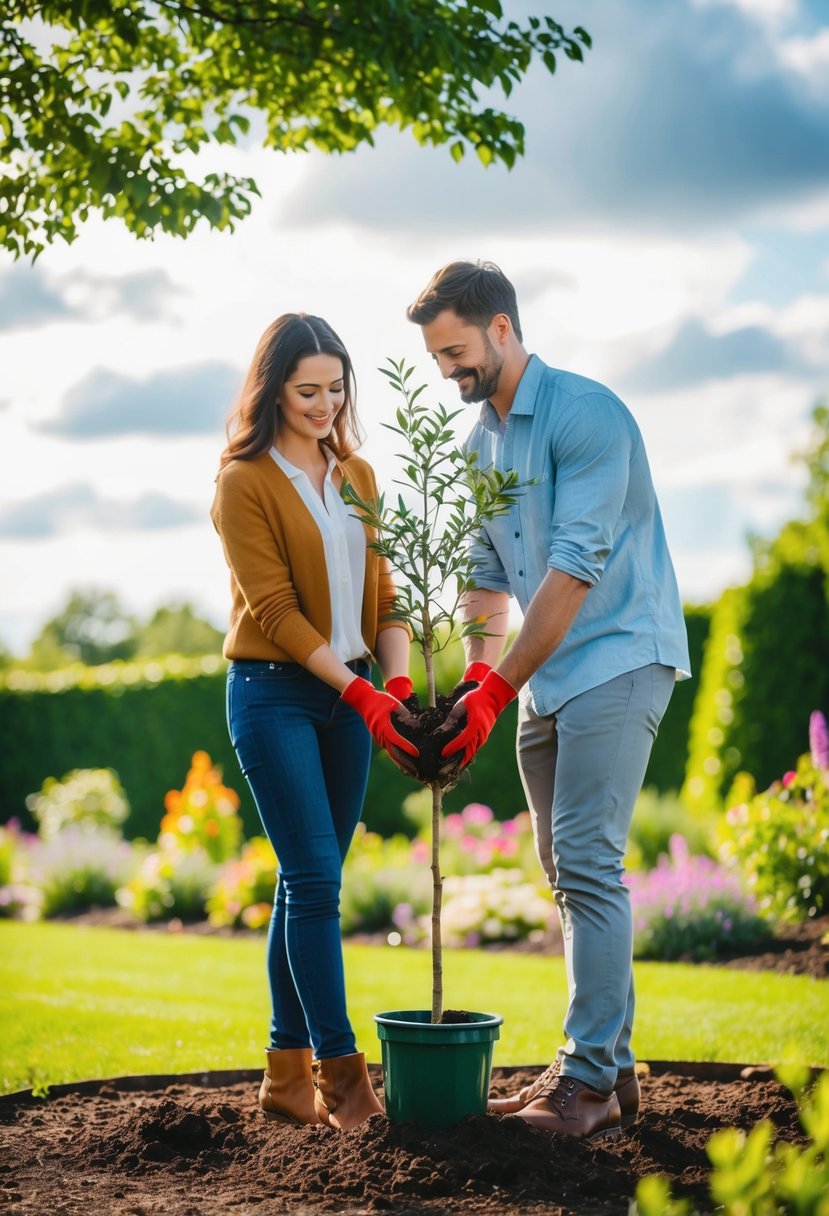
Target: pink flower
476,812
819,739
453,825
420,851
789,778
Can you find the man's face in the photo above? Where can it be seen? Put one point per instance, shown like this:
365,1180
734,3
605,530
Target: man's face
464,353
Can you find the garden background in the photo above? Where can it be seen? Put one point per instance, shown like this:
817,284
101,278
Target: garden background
667,261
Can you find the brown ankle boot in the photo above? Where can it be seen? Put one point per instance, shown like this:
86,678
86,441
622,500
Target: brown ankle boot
287,1091
344,1097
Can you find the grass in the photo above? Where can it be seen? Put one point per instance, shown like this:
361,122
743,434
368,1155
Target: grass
78,1003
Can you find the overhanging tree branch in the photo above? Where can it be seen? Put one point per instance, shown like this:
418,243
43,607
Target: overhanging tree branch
180,74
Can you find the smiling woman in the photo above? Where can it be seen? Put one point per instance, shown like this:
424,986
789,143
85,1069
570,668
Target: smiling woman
312,604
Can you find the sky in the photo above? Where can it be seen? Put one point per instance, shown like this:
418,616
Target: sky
667,233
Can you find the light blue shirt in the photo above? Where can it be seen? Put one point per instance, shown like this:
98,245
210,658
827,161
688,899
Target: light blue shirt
593,514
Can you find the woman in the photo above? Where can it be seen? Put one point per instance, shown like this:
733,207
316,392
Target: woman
310,607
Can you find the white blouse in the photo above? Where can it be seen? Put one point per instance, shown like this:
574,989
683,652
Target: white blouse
344,544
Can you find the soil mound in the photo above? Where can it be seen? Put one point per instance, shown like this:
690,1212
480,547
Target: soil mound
188,1151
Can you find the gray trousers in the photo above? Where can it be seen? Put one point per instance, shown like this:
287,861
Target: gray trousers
582,769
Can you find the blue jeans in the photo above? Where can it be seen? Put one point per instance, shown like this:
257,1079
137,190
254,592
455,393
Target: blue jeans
582,769
305,755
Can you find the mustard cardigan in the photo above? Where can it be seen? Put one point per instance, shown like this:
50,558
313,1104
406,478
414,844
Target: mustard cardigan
280,605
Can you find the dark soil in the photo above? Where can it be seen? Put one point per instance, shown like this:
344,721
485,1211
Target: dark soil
430,764
189,1151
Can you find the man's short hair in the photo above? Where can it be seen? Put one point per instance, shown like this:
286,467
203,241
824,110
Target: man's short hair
475,291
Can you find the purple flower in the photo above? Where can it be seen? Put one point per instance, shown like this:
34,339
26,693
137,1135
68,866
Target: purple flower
819,739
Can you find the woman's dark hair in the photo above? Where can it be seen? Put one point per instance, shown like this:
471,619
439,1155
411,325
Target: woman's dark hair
253,420
475,291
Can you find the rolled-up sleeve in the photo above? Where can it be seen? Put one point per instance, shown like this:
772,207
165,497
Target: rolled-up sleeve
486,568
592,462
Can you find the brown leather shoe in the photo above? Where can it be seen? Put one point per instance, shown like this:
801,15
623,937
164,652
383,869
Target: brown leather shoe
626,1090
344,1097
512,1105
287,1091
568,1107
629,1094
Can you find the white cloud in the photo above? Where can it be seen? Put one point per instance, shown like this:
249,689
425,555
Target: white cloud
772,14
71,508
624,226
808,56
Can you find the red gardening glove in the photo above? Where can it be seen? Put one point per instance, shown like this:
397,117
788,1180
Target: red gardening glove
476,672
400,687
480,707
376,709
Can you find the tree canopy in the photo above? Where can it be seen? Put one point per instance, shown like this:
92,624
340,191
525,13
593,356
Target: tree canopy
93,627
103,102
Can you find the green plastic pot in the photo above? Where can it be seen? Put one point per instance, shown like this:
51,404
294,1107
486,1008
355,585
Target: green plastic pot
435,1074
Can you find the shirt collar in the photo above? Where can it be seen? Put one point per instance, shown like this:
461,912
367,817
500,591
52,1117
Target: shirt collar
291,470
525,396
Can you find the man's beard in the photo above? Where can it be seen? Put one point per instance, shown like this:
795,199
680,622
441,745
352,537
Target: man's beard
484,378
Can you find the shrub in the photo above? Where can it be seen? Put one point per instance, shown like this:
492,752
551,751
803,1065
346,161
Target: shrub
170,882
18,897
378,876
690,907
478,909
9,850
779,839
760,656
79,868
656,818
204,814
244,891
88,797
754,1176
473,839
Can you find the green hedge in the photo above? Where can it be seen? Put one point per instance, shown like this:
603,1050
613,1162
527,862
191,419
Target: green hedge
666,770
766,667
145,721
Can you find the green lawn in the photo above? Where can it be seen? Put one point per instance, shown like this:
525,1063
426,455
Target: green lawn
79,1003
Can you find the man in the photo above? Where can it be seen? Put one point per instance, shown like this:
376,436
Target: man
602,642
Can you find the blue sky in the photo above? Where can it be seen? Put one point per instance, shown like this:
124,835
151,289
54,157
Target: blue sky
668,233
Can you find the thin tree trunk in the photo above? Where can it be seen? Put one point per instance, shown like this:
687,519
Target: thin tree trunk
437,877
437,899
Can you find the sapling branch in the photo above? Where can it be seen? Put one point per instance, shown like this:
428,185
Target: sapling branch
428,545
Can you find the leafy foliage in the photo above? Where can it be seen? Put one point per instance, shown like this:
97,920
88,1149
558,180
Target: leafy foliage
780,840
104,102
94,628
766,661
79,869
169,882
91,798
243,893
425,534
426,540
754,1176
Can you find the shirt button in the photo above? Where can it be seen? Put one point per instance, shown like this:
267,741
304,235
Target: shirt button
520,573
517,534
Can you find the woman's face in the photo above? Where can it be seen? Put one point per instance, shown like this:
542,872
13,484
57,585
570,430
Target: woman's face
312,397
